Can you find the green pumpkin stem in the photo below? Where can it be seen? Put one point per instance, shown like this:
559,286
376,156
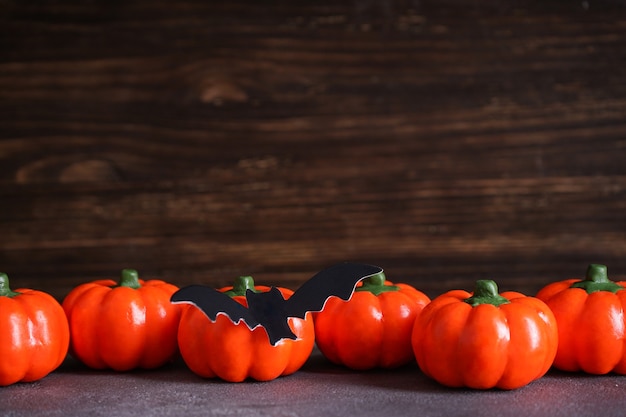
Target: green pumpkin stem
241,285
597,279
5,290
130,279
376,284
486,292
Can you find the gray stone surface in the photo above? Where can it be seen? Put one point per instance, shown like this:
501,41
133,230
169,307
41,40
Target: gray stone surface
318,389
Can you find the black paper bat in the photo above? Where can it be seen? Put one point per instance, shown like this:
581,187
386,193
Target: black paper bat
269,309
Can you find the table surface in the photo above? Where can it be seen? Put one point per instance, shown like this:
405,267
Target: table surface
318,389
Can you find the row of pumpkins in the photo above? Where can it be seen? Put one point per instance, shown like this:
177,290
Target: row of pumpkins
479,340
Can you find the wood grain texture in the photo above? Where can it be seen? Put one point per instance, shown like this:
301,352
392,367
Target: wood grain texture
195,141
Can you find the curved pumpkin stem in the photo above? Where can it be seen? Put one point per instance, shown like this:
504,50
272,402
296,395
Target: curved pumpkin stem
130,278
486,292
5,290
597,279
376,284
241,285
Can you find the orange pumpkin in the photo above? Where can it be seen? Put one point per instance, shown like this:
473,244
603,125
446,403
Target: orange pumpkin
235,353
34,335
485,339
591,317
373,329
123,326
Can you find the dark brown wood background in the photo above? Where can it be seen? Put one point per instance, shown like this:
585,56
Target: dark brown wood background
444,140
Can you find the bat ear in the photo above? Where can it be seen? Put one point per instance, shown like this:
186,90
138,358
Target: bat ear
263,303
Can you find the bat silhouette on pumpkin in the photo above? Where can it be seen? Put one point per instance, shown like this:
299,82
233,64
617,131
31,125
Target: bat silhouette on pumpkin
269,309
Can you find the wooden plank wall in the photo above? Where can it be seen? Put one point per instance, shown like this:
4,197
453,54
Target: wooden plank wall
196,141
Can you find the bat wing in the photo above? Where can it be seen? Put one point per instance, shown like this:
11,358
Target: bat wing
212,303
339,280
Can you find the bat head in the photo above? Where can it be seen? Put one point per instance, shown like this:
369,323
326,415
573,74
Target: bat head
270,309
